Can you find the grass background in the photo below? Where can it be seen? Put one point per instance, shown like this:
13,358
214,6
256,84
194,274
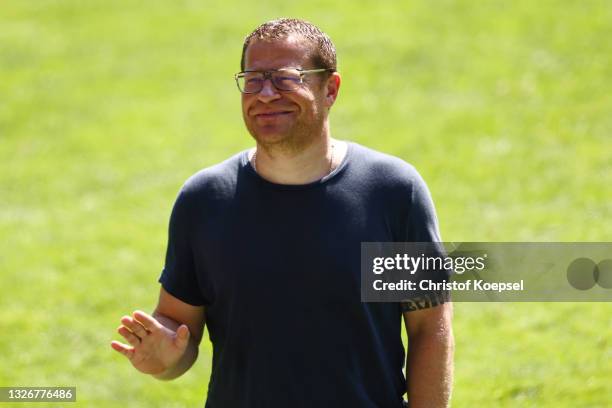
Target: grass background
106,107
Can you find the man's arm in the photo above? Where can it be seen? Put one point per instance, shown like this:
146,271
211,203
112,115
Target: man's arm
165,344
429,364
172,312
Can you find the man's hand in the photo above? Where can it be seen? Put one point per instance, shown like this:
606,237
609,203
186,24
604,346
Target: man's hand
153,347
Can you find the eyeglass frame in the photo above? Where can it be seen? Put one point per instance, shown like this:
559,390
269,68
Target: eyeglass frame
267,74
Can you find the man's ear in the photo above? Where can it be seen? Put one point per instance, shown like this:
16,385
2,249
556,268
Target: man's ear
331,88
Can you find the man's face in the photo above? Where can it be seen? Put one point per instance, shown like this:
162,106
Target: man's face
291,119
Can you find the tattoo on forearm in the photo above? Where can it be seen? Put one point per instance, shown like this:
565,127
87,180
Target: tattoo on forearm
425,301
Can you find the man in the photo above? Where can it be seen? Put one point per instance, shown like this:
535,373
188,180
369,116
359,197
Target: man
265,249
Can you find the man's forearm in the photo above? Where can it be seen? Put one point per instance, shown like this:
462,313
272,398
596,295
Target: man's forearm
429,369
188,358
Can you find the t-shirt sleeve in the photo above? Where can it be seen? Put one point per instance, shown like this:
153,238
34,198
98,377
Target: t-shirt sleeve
179,277
422,223
422,226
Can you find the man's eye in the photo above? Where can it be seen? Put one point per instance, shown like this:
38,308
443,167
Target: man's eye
286,81
288,78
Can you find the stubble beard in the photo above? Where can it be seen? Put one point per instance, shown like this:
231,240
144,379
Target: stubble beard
301,135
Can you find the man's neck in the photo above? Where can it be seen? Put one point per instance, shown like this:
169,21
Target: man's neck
302,166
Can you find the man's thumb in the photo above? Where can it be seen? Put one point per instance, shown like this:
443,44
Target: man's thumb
182,335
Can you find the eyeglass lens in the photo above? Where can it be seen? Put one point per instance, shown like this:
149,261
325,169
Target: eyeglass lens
285,80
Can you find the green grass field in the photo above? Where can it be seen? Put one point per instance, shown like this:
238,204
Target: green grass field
106,107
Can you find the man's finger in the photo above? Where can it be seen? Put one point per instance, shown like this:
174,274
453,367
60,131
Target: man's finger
128,335
146,320
135,327
123,349
182,336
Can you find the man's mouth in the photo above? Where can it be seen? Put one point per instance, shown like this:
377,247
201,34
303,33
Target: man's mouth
272,114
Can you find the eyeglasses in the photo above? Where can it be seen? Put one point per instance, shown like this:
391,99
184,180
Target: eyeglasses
286,79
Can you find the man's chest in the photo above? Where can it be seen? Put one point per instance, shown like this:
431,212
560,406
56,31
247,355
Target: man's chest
285,246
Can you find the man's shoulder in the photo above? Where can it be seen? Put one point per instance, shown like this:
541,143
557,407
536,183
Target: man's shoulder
382,167
218,177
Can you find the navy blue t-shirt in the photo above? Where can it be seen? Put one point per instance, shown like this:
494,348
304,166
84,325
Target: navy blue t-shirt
277,268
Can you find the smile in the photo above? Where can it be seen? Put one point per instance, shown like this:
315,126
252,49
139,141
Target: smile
272,114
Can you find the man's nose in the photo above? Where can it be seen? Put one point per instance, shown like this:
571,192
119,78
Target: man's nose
268,91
